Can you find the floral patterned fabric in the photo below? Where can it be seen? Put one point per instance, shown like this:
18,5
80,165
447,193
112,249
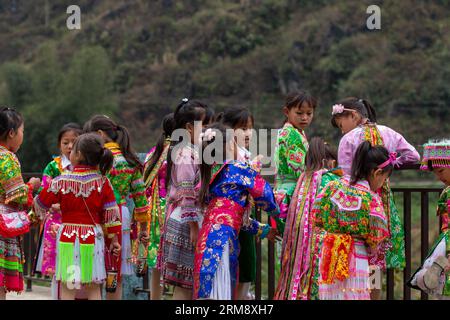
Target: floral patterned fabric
47,242
15,195
348,213
299,242
176,253
87,201
230,189
127,181
156,194
393,142
290,154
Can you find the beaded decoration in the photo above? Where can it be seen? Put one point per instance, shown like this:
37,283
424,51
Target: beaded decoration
438,152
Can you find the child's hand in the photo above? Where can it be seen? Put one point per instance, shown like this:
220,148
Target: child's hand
193,233
56,207
273,234
258,158
54,228
35,183
144,238
115,247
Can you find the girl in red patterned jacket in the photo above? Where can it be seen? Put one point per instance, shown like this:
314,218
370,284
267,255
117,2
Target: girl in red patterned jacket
89,215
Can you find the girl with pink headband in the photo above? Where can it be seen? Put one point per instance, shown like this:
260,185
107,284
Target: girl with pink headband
353,227
357,120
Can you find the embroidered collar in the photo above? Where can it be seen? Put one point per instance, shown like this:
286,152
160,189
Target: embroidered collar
190,148
84,168
361,184
113,146
301,131
4,148
62,162
337,171
217,168
243,154
193,147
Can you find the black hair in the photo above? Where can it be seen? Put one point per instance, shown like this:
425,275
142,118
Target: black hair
367,158
168,123
206,168
117,133
187,111
235,117
94,154
10,119
71,126
297,98
318,151
363,107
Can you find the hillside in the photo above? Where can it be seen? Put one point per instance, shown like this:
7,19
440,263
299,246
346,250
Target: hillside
136,59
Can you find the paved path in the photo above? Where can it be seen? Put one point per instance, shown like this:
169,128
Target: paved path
38,293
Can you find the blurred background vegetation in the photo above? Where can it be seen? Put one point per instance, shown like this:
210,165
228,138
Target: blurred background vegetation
134,60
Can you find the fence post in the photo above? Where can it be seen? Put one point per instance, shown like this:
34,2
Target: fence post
271,269
258,261
424,231
408,230
28,239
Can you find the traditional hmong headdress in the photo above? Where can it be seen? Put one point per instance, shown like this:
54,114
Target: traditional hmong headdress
438,152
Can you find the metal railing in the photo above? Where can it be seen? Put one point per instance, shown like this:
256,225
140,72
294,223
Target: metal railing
31,242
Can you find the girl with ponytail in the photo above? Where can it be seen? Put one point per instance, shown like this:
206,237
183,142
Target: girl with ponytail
241,121
354,228
183,211
46,253
297,280
88,207
155,183
357,120
226,185
126,178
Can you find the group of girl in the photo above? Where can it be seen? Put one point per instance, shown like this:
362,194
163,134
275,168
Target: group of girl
99,206
340,225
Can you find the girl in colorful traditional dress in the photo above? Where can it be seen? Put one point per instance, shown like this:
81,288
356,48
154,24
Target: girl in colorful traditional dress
301,243
45,262
241,121
155,183
15,196
290,153
126,179
357,120
433,277
183,210
291,147
87,205
355,226
225,189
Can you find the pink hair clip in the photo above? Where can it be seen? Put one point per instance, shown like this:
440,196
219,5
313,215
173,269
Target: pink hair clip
391,160
339,108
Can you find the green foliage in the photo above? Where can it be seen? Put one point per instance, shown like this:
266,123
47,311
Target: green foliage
49,96
241,52
18,84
